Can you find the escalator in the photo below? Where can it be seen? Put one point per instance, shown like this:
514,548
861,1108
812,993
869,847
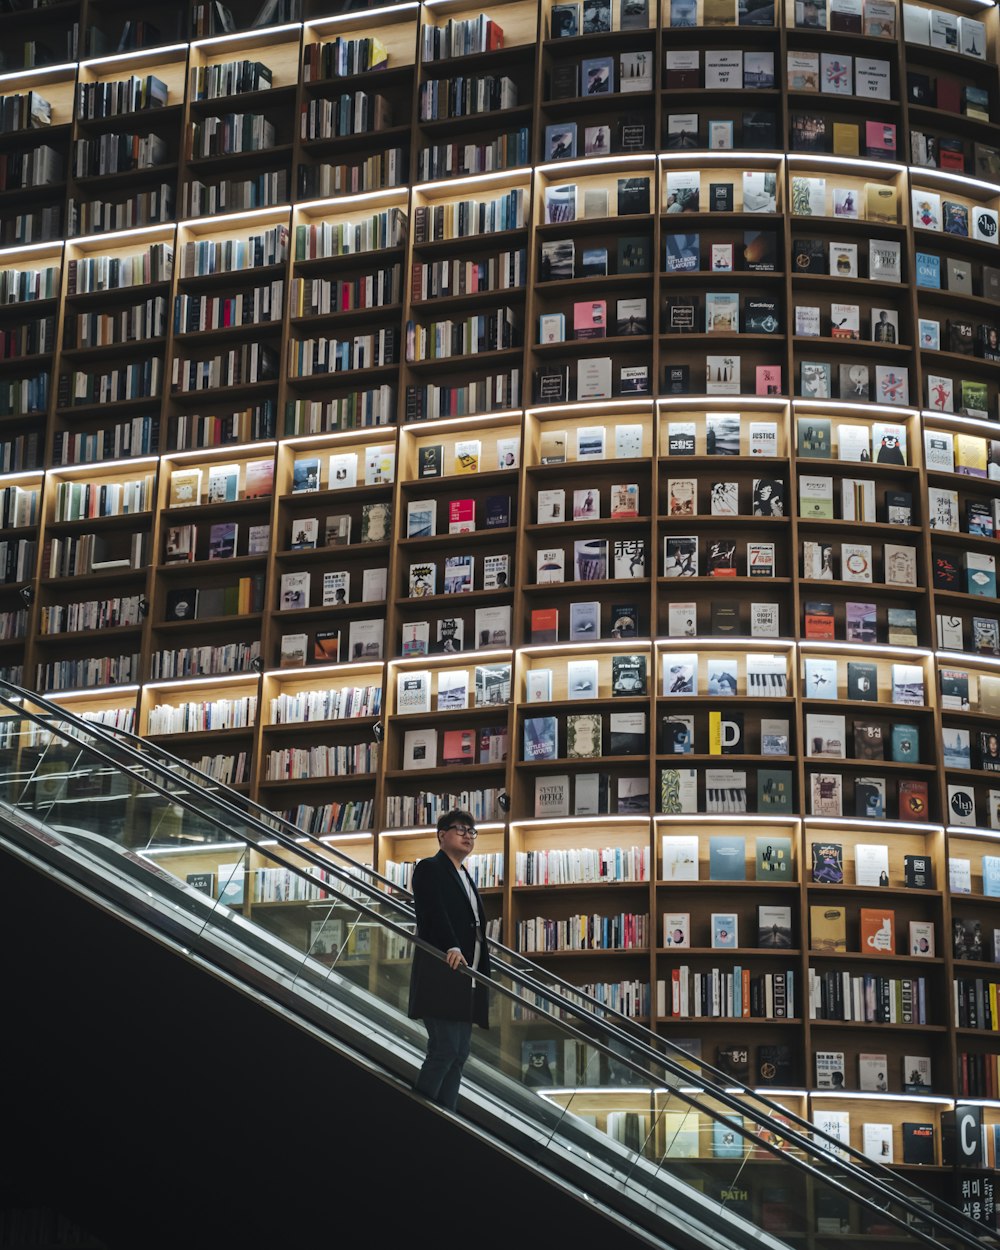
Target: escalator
327,946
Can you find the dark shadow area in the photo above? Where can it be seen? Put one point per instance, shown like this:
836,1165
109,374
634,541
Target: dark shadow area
158,1107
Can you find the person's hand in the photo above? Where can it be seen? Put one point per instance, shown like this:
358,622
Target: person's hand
455,958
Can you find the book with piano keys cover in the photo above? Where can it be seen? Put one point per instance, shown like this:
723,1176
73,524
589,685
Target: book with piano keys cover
767,676
725,790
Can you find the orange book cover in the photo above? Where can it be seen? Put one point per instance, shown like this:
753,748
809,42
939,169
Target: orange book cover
878,931
545,625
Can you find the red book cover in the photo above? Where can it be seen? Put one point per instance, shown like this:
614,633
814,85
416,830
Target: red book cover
878,931
590,319
461,516
545,625
913,803
459,746
769,379
880,139
819,625
949,95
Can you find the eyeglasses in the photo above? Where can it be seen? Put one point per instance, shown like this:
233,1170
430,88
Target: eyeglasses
465,831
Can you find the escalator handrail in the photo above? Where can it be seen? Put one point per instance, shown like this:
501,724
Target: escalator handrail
349,877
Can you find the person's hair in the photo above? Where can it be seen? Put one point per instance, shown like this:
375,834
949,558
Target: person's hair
455,817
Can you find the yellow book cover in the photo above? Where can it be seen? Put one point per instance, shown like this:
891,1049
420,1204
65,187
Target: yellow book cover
970,454
467,453
718,13
827,928
185,487
715,733
845,139
880,202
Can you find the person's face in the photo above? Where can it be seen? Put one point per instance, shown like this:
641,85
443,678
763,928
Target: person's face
458,840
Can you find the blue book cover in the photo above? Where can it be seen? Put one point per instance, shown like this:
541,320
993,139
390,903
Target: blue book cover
727,1143
928,270
540,738
727,857
991,876
905,744
725,931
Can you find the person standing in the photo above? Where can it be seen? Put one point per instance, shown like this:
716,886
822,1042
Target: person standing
449,916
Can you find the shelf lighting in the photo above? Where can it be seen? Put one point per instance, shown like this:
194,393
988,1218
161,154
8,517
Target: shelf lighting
586,163
6,478
223,679
358,835
870,1096
248,36
545,822
879,648
726,818
58,696
917,172
473,418
960,657
954,418
195,223
151,54
207,453
324,670
416,661
196,848
838,405
722,401
855,822
603,405
850,162
972,831
731,155
99,468
338,201
576,648
337,436
446,185
55,246
113,238
64,68
367,15
785,644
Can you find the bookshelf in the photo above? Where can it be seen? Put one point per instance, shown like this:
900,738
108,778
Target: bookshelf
576,409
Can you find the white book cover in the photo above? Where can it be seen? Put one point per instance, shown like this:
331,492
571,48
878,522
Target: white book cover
856,562
871,78
680,857
871,864
582,679
380,465
763,438
420,749
836,73
680,673
628,441
336,588
876,1142
939,450
682,620
413,692
343,471
294,591
854,442
493,627
551,507
723,69
590,442
550,565
925,209
825,736
538,685
552,796
373,585
452,689
421,518
365,639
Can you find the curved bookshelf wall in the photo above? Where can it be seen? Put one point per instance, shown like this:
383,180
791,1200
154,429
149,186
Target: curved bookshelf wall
611,413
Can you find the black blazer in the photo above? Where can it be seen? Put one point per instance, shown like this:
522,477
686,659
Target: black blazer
444,920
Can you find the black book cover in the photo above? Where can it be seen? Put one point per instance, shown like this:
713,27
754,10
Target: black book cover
633,196
760,316
918,872
675,381
809,255
760,131
725,616
918,1143
760,251
720,197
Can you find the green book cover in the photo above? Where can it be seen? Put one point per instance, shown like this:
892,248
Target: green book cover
774,793
774,856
